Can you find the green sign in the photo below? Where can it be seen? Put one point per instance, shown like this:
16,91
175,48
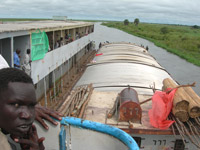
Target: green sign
39,45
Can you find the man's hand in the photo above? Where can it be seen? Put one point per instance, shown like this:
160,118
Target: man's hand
45,113
31,142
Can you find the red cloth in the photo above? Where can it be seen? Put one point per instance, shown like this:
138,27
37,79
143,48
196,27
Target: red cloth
161,107
99,54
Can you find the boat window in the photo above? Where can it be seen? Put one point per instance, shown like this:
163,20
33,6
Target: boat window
138,140
179,145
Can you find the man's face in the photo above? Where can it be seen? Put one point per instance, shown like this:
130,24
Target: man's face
17,108
18,51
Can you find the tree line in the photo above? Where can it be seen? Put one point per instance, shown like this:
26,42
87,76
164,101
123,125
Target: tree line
136,21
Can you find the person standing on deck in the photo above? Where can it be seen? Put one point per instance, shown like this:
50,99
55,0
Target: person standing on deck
147,48
17,59
26,65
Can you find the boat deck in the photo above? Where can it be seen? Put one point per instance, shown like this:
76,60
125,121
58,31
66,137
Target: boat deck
100,104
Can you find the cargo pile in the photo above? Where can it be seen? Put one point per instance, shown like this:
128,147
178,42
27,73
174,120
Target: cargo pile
76,102
185,111
186,102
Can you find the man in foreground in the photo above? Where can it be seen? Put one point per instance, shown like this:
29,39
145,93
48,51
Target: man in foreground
42,113
17,109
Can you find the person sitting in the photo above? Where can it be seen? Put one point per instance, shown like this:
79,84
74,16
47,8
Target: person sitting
57,44
66,37
62,41
70,38
17,110
77,35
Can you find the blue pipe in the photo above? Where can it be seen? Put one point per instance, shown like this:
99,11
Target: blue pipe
103,128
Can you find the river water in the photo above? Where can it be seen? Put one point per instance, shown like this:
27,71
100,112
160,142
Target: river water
180,70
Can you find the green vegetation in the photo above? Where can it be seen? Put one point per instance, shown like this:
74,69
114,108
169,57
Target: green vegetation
126,22
183,41
136,21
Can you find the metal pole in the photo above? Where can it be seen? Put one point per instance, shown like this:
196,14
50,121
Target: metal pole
1,47
61,78
12,51
69,68
53,40
77,70
74,68
45,90
50,97
54,84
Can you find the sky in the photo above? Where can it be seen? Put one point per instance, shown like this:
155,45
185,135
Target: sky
184,12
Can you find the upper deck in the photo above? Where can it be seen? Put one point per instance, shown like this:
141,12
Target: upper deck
48,25
65,39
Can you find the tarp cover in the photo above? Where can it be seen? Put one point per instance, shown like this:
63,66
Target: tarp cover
162,103
39,45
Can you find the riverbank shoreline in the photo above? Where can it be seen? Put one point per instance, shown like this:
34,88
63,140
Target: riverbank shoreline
179,40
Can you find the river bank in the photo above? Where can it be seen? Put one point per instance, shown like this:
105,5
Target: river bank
177,39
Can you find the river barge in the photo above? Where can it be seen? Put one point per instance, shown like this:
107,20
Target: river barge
116,68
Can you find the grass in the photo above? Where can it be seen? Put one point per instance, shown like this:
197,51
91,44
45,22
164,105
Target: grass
183,41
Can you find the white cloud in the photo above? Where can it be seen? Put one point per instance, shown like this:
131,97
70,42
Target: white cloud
162,11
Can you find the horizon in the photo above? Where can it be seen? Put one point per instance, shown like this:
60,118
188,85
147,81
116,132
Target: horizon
181,12
20,18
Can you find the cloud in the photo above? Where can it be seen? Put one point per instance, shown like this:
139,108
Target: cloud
162,11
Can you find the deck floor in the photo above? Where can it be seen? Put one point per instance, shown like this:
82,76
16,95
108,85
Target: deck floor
100,104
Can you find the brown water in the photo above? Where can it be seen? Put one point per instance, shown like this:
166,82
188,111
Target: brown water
182,71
